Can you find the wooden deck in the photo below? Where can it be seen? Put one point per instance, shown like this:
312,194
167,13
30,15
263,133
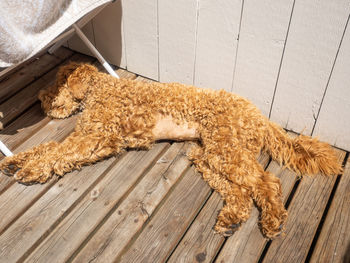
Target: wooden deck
147,206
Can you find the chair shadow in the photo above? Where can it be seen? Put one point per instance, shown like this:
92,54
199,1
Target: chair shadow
31,118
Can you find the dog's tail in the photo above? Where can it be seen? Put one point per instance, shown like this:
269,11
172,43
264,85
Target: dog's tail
303,154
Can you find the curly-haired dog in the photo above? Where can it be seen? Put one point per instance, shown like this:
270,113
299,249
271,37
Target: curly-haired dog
122,113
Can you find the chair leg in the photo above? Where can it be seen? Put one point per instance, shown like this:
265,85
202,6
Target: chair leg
5,150
95,51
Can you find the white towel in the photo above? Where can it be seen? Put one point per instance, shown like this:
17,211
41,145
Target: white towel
27,26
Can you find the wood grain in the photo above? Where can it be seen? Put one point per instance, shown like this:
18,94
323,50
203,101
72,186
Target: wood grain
132,214
200,243
94,207
261,41
305,212
333,244
313,40
216,44
165,229
23,127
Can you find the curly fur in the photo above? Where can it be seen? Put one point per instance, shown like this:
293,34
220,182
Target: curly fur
122,113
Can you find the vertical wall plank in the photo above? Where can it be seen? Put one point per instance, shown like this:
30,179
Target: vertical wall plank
313,40
261,40
108,31
217,34
177,40
141,37
333,123
76,44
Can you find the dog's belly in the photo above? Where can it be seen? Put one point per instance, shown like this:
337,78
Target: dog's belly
167,129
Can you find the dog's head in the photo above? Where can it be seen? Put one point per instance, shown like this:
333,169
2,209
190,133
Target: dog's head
65,97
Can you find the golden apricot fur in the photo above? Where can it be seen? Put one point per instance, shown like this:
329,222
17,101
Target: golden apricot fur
118,114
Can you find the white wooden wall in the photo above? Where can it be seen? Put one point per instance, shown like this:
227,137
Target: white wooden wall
289,57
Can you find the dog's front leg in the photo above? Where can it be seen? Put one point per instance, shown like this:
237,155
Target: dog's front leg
76,150
81,149
10,165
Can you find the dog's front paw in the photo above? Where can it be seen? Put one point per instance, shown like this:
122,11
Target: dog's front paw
28,175
10,165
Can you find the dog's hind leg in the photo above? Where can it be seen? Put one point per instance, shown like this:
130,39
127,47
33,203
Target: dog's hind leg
76,150
267,194
241,167
237,208
266,191
237,199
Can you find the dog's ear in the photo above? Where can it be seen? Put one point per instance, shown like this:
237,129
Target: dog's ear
77,88
65,71
78,82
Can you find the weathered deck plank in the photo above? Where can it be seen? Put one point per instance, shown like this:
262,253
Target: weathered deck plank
333,244
94,207
24,234
305,212
168,225
122,226
200,243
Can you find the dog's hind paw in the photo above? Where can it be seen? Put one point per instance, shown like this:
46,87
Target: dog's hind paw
226,231
272,229
272,234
